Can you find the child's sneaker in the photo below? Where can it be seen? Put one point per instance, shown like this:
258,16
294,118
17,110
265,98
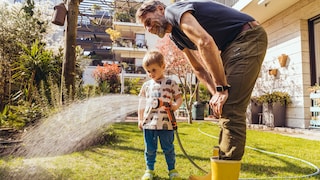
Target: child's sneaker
174,175
148,175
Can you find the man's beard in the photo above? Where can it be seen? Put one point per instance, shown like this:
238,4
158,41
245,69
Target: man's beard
162,28
161,32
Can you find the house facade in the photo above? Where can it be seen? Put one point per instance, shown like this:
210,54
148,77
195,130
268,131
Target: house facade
293,28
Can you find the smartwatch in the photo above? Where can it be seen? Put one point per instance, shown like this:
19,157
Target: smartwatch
222,88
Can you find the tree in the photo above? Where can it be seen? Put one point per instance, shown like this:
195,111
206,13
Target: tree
19,24
177,64
25,64
70,49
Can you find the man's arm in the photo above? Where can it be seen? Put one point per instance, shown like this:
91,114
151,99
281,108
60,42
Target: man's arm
210,55
208,50
198,69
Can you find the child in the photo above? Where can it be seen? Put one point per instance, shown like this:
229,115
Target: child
154,120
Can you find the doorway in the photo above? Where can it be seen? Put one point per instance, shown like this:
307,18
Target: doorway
314,42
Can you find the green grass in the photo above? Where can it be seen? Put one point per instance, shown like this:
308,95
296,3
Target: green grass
124,160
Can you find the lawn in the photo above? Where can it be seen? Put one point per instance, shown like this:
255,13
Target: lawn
123,159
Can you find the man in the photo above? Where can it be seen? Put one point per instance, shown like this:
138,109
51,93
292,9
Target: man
232,46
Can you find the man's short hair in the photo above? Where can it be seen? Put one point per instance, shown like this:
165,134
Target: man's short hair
146,7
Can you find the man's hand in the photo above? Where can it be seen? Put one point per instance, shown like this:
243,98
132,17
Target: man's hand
217,101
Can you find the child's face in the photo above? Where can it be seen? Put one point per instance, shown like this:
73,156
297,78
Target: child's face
155,71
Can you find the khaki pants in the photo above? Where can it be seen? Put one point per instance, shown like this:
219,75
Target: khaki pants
242,61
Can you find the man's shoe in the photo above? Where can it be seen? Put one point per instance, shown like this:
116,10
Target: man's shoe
174,175
148,175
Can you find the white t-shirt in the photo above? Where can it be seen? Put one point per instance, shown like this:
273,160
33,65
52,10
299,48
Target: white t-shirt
165,89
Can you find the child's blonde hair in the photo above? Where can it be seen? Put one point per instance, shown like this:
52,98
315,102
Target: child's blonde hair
153,57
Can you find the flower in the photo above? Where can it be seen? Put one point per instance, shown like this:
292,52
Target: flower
114,34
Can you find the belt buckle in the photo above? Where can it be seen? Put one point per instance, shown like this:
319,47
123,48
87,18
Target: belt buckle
251,25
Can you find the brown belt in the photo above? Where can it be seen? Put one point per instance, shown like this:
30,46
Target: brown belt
250,25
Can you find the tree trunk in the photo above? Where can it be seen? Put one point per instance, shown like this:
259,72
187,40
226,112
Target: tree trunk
70,48
2,84
5,86
30,86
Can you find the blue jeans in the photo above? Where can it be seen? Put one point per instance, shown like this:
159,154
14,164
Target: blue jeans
166,138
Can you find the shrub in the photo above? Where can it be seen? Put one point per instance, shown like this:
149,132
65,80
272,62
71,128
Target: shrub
107,77
277,96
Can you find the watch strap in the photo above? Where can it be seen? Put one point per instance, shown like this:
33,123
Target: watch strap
220,88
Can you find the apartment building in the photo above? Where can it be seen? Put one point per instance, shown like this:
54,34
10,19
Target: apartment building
127,50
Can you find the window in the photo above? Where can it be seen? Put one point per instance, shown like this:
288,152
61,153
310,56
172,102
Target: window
314,42
140,40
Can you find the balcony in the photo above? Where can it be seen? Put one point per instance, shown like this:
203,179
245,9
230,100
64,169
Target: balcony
132,43
128,27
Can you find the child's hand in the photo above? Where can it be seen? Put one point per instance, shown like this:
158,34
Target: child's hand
173,106
140,125
169,106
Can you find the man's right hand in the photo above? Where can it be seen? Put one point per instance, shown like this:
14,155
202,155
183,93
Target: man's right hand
217,101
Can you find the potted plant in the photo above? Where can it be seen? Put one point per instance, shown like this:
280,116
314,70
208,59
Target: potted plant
275,103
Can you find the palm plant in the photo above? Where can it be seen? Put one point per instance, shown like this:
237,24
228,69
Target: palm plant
35,65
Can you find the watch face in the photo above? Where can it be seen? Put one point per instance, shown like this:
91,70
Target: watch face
219,88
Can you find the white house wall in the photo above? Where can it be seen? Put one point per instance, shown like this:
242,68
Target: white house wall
288,34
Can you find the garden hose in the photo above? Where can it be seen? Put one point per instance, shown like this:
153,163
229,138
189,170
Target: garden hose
185,153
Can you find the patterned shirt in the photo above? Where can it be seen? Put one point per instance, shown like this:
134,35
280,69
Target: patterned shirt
165,89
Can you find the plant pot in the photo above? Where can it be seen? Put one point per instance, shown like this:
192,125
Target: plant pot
273,72
256,108
198,110
279,114
274,114
283,60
